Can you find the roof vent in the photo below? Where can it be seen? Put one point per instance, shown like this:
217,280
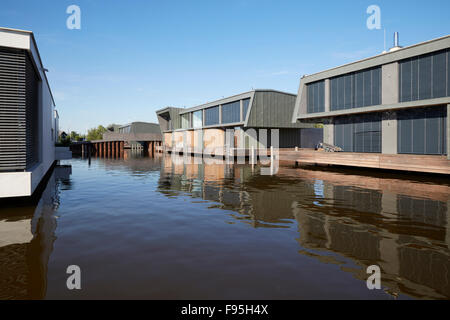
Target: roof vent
396,43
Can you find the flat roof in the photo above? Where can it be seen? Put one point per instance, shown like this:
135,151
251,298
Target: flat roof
382,58
134,122
30,33
239,96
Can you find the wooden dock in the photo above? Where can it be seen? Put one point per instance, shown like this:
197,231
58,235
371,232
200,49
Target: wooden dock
109,149
404,162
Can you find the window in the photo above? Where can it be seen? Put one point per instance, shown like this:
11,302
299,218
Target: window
197,119
356,90
246,104
422,131
316,97
185,121
358,133
212,116
425,77
231,112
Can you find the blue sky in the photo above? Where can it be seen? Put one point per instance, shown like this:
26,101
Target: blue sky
133,57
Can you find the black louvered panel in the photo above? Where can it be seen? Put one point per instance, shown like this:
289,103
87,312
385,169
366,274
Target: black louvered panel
32,115
12,110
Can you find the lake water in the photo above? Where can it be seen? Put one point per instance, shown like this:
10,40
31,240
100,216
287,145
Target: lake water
149,228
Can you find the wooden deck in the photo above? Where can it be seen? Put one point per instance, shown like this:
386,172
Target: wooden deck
404,162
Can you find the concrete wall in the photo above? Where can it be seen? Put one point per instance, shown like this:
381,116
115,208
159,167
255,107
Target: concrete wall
389,83
328,131
389,133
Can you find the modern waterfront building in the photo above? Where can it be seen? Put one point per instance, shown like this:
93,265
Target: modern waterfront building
28,121
204,126
394,103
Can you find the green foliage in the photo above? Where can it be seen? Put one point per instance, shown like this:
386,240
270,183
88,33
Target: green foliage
75,136
96,133
63,142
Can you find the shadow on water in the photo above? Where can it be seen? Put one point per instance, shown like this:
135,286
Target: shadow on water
27,228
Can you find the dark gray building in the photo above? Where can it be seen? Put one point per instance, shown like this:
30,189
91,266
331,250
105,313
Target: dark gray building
394,103
204,126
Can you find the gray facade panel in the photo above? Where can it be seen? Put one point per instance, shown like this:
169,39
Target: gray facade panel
272,109
422,131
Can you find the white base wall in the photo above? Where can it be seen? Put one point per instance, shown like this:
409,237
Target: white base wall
22,184
15,184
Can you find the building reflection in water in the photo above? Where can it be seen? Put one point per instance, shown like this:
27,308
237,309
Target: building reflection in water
402,225
27,234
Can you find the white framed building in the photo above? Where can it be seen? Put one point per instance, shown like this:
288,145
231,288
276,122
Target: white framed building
27,115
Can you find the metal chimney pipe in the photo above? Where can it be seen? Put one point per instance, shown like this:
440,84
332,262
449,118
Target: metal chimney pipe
396,39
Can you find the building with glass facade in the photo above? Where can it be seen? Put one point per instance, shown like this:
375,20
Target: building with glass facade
242,116
394,103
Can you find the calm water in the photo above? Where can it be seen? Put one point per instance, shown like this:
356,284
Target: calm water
149,228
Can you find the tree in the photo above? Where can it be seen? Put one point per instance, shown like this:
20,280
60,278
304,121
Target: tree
75,136
96,133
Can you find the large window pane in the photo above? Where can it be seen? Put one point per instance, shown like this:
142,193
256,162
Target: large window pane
316,97
439,75
359,90
414,79
376,86
418,133
212,116
348,91
246,104
428,76
359,133
197,119
422,131
367,88
231,112
405,94
333,92
356,90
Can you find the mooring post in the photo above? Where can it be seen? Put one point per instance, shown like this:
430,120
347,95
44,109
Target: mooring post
272,160
252,156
